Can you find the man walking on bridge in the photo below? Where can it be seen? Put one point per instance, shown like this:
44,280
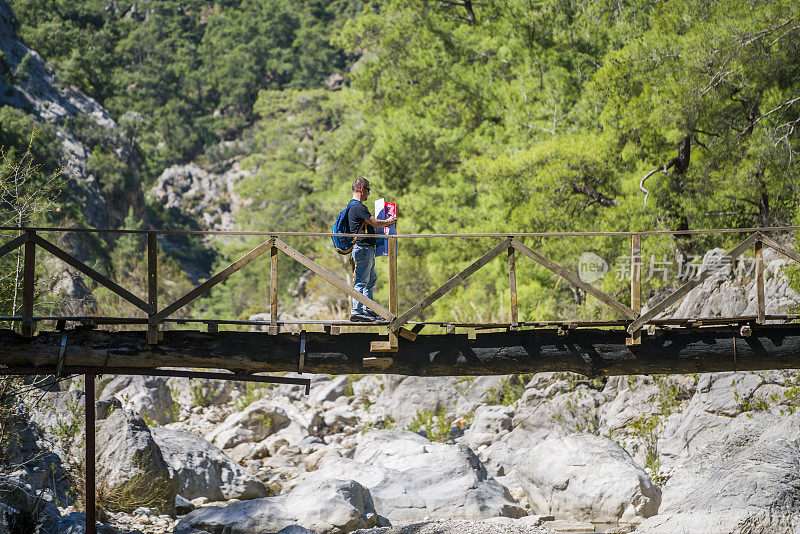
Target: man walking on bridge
359,218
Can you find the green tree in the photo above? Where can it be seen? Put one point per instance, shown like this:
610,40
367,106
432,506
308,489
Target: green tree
708,94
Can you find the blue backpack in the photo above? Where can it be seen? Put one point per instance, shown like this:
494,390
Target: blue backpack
343,244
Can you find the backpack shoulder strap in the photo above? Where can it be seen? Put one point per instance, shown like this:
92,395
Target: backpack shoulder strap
347,209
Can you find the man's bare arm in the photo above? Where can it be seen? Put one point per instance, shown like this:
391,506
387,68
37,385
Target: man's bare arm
381,223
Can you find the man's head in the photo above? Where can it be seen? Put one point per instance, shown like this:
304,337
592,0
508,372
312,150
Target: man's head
360,188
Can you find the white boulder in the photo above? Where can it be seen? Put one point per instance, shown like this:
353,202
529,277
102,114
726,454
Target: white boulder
203,470
130,466
411,478
586,477
324,506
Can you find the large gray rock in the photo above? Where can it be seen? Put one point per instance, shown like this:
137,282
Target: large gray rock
636,404
253,424
208,195
411,478
732,291
260,420
149,396
130,466
203,392
490,424
22,507
553,404
404,397
329,391
718,398
41,457
586,477
75,523
323,506
524,525
746,480
203,470
557,402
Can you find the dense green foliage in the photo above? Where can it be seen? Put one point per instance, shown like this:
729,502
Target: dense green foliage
512,116
187,74
488,116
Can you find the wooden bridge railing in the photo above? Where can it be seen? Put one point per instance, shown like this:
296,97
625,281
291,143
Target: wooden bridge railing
634,321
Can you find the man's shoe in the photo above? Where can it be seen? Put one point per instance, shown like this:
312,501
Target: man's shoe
356,318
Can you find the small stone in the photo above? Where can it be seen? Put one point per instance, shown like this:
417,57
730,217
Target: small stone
561,525
199,501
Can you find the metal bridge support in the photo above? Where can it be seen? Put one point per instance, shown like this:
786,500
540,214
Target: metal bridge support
90,455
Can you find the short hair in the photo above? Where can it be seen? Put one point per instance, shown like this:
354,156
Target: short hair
360,182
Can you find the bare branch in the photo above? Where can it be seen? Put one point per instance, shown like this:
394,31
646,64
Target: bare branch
595,195
779,108
641,183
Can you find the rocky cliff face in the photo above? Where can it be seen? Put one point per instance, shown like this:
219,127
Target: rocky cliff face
207,195
33,88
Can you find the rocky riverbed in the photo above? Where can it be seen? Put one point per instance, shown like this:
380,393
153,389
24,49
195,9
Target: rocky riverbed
408,454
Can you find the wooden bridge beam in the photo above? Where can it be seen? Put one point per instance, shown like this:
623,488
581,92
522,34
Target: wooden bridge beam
590,352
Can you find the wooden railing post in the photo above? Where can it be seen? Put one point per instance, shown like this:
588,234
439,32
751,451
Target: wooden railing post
273,291
636,286
760,306
153,335
512,282
393,305
28,281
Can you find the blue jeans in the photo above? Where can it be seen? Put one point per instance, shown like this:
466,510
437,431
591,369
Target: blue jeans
365,277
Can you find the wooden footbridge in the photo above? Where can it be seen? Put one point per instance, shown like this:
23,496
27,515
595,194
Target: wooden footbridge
635,343
639,342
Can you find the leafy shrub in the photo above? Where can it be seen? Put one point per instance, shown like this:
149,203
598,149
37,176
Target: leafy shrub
252,393
69,427
646,427
9,412
508,392
142,490
754,404
201,395
436,426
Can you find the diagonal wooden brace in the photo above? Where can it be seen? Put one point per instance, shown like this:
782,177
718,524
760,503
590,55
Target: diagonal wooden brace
573,279
688,286
14,244
771,243
450,284
91,273
211,282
